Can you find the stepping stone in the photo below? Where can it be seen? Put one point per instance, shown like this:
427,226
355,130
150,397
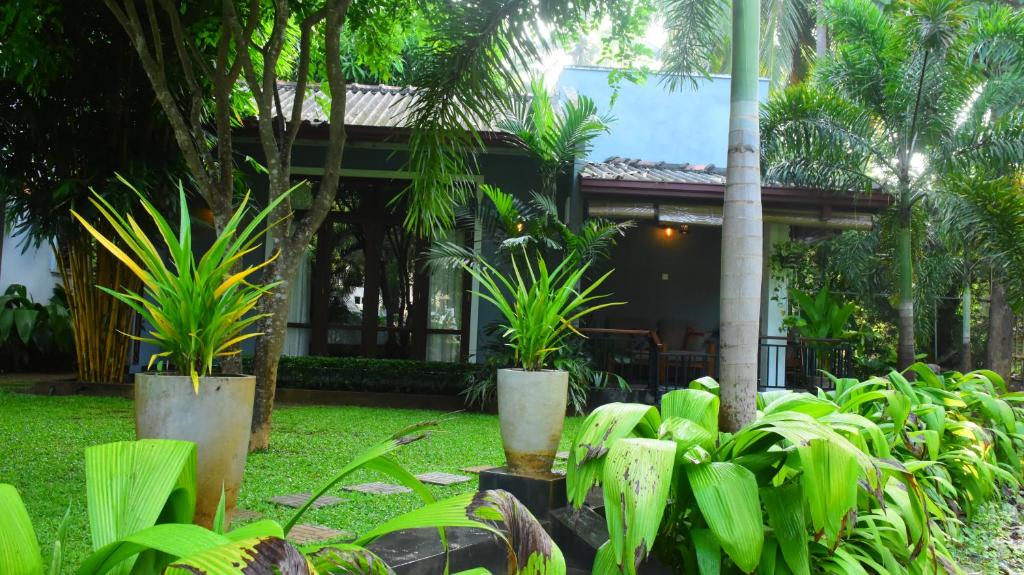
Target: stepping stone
478,468
377,488
562,455
297,500
305,534
439,478
246,515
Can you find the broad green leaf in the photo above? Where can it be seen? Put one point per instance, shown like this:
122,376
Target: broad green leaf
785,507
133,484
267,554
803,403
726,494
353,560
637,478
708,550
25,321
19,549
495,511
698,406
175,540
687,435
829,484
600,430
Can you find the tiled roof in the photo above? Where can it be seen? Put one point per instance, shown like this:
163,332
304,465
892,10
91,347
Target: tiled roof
616,168
369,105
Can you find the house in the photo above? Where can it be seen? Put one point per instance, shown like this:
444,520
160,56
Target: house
662,166
361,291
34,267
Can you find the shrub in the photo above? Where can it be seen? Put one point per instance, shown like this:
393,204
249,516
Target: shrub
373,375
870,478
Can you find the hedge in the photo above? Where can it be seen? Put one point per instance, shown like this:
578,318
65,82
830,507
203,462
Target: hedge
373,375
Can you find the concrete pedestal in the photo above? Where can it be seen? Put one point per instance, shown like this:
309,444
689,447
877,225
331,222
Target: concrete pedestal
541,493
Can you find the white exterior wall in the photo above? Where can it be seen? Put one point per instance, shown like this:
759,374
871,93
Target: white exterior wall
34,268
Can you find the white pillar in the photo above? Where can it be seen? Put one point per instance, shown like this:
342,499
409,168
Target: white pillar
774,306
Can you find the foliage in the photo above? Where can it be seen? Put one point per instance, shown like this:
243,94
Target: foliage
900,84
539,307
38,329
868,478
197,310
142,496
571,357
555,137
374,375
820,316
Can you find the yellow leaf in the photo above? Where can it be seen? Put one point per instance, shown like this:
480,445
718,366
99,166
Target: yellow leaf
234,279
195,381
154,356
116,251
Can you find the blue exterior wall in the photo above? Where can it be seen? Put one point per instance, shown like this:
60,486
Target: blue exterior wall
653,123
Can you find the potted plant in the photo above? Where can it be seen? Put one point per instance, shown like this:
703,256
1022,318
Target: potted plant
195,312
539,309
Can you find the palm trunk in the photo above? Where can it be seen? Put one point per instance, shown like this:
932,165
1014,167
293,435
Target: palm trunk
999,350
742,228
905,280
820,31
966,361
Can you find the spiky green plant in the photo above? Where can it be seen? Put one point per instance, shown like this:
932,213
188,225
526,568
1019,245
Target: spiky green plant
539,306
197,311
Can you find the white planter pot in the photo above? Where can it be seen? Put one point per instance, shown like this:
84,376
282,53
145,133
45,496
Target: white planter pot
531,409
217,420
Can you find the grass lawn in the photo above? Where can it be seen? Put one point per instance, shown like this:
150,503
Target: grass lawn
42,441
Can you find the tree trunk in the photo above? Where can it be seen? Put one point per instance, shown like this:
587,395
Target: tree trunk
966,361
905,279
999,351
820,31
270,345
742,228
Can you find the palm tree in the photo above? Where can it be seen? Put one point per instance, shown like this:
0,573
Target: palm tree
892,108
690,52
555,136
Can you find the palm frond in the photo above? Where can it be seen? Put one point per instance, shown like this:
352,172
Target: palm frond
695,35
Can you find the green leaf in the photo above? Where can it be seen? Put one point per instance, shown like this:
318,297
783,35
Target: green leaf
131,485
708,550
637,478
698,406
600,430
19,549
726,494
829,483
25,322
268,554
6,323
495,511
354,560
785,507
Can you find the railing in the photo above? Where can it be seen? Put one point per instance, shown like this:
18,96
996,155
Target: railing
632,354
799,363
639,357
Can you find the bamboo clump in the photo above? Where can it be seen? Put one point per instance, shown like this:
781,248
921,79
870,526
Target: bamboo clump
98,320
